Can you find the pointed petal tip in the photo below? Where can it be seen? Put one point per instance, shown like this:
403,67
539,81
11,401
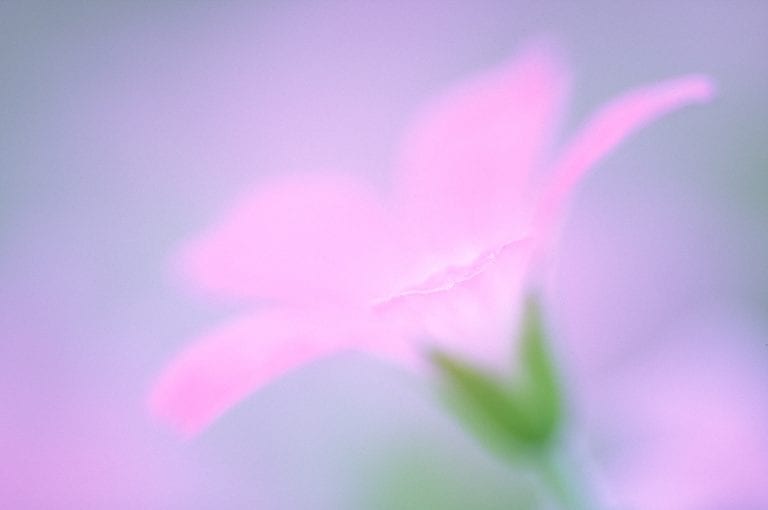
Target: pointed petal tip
543,55
695,87
165,411
206,266
191,269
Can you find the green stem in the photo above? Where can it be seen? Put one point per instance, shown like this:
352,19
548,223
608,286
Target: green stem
562,481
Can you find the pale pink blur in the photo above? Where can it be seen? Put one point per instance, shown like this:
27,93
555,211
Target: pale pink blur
125,127
684,423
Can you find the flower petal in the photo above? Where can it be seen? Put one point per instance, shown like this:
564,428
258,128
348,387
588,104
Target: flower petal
465,311
224,366
609,127
468,155
302,238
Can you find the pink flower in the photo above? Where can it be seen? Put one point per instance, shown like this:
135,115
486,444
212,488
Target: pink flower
439,261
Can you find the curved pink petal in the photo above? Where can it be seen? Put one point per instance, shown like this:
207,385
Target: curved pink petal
301,238
224,366
468,155
609,127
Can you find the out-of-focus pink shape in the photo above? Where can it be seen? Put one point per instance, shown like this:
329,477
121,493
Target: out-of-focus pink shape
440,263
691,420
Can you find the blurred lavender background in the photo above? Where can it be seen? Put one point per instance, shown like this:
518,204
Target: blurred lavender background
127,126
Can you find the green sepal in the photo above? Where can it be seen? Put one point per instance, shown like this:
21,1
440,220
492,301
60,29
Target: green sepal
513,416
541,381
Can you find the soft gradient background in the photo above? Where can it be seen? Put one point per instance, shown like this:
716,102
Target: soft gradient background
127,126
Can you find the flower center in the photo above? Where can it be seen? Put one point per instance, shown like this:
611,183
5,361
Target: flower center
447,277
